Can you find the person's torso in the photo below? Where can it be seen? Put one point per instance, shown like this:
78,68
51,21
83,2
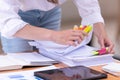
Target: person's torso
38,4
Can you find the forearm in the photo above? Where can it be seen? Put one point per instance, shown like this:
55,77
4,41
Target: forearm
34,33
99,29
65,37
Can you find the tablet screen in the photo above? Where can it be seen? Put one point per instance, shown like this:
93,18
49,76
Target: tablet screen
70,73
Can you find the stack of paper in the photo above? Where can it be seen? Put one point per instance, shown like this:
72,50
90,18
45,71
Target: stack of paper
71,55
80,56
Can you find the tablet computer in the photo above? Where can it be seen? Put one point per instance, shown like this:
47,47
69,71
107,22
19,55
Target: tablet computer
70,73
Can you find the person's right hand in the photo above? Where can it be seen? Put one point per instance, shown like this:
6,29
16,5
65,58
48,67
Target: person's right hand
68,37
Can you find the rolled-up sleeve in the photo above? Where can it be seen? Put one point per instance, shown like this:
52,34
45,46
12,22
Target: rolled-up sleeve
10,21
89,11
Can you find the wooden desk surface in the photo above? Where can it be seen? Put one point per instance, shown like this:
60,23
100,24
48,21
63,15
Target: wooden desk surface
98,68
110,77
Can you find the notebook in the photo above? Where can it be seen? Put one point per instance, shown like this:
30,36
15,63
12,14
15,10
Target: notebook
19,60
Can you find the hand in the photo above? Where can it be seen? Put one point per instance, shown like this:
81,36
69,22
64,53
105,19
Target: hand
103,39
68,37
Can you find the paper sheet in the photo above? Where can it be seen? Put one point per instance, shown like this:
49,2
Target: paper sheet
24,75
112,68
58,48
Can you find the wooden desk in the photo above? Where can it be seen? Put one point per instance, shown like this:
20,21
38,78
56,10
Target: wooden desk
98,68
110,77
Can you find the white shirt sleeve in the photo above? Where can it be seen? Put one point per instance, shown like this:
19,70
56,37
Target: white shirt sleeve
89,11
10,21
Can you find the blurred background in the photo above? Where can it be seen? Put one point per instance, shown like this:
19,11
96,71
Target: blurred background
110,11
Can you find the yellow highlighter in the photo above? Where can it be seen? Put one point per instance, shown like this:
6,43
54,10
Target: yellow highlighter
88,29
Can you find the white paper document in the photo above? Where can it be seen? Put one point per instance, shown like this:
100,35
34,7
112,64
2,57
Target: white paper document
58,48
8,63
112,68
32,58
71,55
19,60
82,56
24,75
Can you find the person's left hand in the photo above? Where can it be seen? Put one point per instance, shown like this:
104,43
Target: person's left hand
103,39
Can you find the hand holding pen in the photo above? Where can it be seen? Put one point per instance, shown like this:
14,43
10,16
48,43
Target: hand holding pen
102,37
71,37
84,30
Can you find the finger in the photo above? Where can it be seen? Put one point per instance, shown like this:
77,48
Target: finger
79,32
79,41
101,42
79,35
71,43
110,46
76,38
110,50
84,33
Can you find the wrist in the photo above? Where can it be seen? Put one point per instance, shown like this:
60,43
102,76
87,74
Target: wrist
99,29
51,35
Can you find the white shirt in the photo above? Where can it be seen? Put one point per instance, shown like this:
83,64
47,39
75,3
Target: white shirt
10,21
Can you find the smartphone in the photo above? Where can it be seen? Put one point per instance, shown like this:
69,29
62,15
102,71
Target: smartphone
70,73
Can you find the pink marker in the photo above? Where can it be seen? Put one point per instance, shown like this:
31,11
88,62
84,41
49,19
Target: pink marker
103,51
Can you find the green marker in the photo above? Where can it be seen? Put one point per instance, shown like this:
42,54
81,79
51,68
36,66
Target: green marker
95,53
